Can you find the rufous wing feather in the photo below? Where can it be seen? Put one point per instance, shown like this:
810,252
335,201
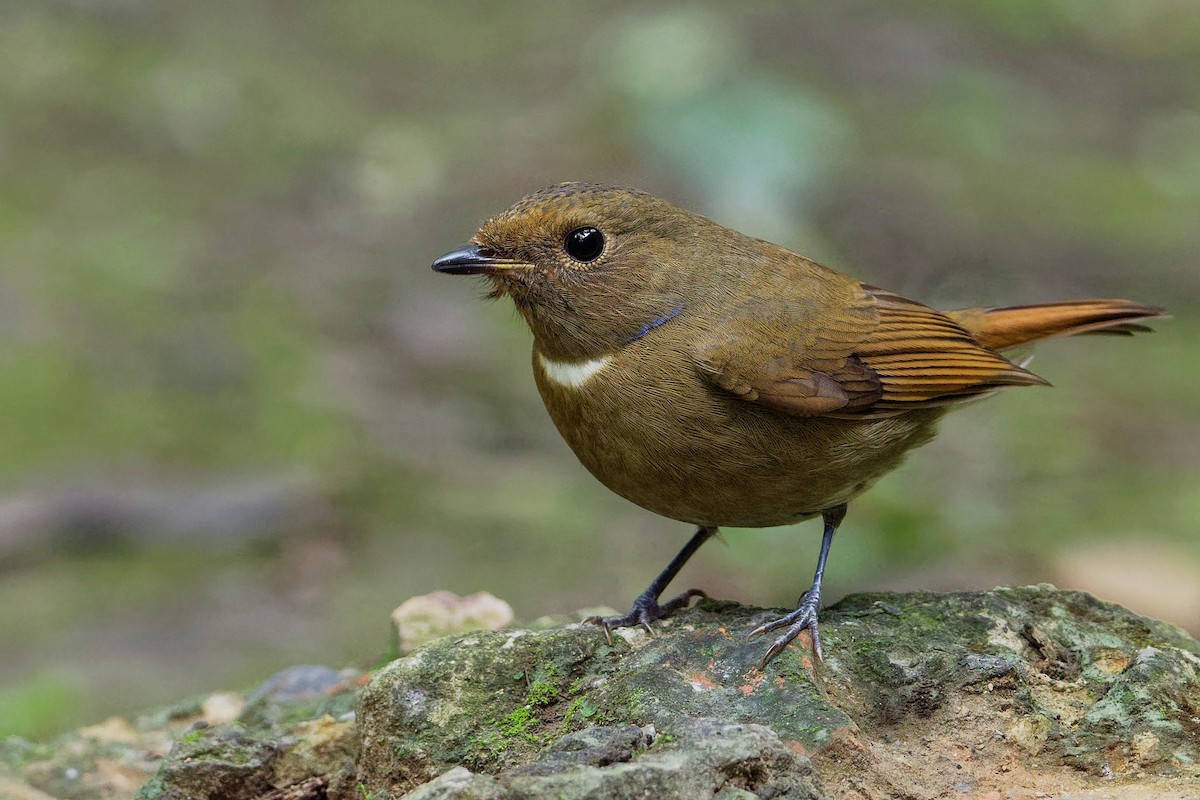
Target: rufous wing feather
881,355
924,358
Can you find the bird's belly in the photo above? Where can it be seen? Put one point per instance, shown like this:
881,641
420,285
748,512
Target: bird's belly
665,440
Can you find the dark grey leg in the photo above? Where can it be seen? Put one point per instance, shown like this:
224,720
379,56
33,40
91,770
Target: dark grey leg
805,617
646,608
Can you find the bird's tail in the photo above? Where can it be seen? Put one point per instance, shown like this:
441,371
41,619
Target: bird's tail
1002,328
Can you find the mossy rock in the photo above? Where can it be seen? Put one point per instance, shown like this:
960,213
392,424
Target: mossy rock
1027,690
919,693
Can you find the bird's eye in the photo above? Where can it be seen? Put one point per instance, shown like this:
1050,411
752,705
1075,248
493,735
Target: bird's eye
584,244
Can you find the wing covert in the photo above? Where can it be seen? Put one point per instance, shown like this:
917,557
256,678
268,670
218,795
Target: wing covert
872,354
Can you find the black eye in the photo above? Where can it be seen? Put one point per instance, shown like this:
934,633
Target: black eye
584,244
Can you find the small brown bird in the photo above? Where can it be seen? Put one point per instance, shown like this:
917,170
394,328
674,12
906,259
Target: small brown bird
718,379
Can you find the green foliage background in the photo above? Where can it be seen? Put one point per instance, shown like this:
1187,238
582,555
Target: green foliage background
242,420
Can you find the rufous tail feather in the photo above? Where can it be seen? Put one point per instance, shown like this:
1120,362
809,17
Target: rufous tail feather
1002,328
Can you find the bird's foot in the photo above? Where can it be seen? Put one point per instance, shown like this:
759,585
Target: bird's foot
803,618
646,609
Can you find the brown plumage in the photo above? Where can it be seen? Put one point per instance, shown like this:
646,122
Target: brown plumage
718,379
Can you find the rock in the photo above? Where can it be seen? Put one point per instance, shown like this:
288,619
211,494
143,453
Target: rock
1010,693
707,759
596,747
458,783
431,616
920,694
108,510
226,762
296,694
222,707
325,749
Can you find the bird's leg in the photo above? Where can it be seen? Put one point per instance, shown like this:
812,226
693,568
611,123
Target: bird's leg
805,616
646,608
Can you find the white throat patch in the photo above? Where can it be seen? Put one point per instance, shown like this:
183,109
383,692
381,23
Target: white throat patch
573,376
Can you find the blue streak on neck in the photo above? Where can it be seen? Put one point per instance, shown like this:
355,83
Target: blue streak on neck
651,325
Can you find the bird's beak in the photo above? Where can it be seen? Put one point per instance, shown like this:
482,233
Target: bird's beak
474,260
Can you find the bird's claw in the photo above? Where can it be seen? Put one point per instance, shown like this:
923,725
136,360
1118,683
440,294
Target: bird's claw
646,609
803,618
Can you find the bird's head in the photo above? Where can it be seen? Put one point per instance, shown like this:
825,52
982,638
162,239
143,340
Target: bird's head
588,267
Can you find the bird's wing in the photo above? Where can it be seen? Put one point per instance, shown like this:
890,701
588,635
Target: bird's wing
860,352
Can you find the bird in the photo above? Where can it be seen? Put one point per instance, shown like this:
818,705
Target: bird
720,380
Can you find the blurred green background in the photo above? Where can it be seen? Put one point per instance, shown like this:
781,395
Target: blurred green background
241,419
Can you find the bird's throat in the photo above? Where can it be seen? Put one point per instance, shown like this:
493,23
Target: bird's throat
573,374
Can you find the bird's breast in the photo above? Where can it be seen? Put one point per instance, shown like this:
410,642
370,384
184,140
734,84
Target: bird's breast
643,421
